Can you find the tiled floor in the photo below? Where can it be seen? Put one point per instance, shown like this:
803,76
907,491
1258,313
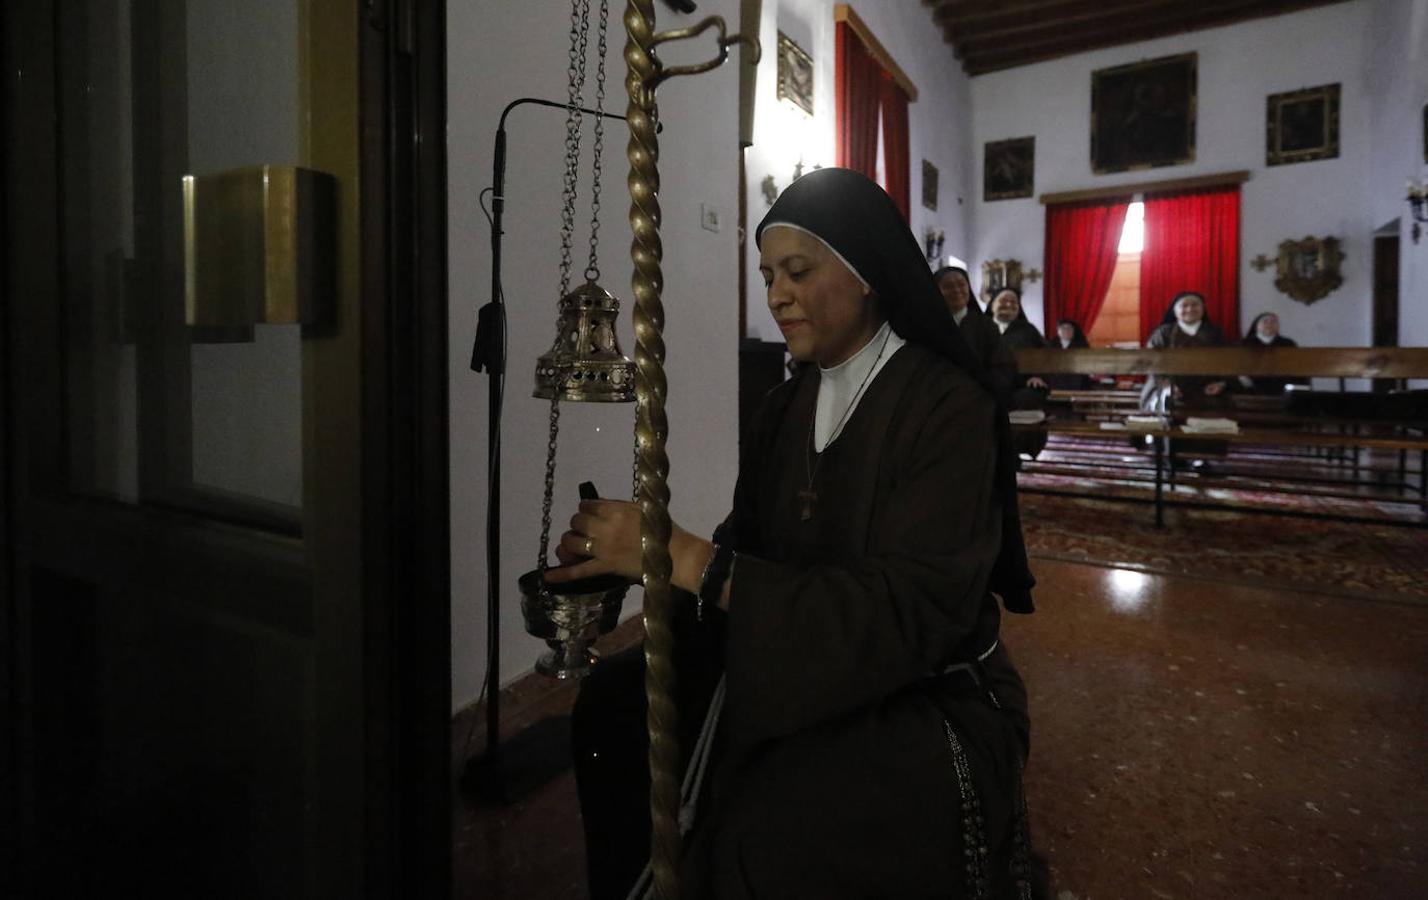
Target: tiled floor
1191,739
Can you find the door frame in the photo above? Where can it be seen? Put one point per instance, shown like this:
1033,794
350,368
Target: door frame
394,138
406,445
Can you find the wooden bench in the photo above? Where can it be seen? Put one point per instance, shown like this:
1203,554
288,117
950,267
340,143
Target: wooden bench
1267,426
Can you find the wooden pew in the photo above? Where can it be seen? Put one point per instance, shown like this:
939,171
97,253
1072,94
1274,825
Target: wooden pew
1407,433
1324,362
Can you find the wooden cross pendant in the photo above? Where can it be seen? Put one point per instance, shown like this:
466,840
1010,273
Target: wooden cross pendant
809,497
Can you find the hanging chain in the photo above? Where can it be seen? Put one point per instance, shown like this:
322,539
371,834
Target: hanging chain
592,269
579,41
548,501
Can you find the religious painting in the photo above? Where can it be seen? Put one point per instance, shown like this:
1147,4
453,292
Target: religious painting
795,74
1309,270
1302,125
1143,114
929,185
1009,169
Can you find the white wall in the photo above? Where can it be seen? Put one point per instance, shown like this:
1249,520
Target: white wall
1398,80
938,123
1239,66
501,50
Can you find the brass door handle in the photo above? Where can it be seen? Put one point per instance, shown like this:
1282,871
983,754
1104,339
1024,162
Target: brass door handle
258,246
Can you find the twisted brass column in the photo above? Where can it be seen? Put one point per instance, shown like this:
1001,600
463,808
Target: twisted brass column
643,75
651,430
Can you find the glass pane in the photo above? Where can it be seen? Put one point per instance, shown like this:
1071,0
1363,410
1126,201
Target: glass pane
242,109
150,91
247,416
102,279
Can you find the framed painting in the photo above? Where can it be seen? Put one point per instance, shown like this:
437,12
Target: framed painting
998,274
1143,114
1302,125
1310,269
1009,169
929,185
795,74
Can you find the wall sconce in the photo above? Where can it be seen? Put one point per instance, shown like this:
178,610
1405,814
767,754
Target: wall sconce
1418,206
770,188
932,241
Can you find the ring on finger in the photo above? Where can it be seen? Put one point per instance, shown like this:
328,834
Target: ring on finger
589,546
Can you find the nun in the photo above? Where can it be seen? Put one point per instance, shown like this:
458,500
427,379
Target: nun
1185,325
1016,330
868,731
1262,334
1069,336
982,336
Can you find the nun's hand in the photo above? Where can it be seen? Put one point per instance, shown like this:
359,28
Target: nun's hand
1214,388
604,539
1035,382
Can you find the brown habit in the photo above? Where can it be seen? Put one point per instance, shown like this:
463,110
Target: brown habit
1192,387
833,775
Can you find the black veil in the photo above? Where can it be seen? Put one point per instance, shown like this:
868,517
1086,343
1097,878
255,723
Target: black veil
973,307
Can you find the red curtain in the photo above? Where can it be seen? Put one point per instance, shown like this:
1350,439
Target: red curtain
859,79
1192,243
896,164
1081,242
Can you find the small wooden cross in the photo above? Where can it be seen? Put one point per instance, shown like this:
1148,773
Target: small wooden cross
809,497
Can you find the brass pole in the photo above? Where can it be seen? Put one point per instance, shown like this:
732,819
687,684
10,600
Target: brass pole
651,430
643,74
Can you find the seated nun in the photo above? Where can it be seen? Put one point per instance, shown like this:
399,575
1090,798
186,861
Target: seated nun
1185,325
982,336
1028,391
1263,333
1069,336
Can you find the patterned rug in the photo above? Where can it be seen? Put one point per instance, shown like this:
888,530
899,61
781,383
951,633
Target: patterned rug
1246,477
1370,561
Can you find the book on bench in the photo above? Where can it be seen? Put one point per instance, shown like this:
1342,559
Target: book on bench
1146,422
1194,425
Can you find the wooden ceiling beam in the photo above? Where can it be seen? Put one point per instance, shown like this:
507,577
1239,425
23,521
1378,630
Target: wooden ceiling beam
1086,13
1174,18
1051,42
974,10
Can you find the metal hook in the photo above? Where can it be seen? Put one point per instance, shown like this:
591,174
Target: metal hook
662,73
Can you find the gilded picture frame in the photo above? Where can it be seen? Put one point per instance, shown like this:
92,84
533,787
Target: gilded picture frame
998,274
1143,114
795,74
1302,125
1309,270
1009,169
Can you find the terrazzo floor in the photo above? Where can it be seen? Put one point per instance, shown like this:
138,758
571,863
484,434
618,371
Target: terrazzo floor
1192,738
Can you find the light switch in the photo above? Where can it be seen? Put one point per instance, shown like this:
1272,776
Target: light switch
708,217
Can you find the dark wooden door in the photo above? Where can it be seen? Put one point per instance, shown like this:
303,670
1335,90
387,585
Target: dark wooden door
224,624
1385,291
1385,299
